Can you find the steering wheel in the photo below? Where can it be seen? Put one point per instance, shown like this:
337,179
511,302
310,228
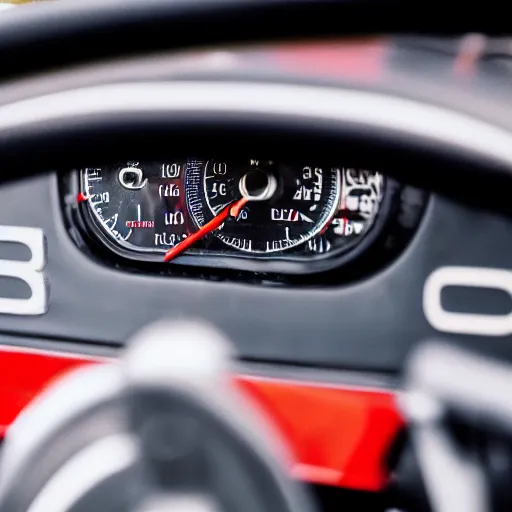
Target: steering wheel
104,81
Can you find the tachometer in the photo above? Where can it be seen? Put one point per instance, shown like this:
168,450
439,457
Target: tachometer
140,205
288,204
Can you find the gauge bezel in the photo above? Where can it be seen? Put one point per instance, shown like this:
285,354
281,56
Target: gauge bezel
90,229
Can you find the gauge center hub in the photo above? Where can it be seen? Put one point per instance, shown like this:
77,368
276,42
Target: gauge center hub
257,185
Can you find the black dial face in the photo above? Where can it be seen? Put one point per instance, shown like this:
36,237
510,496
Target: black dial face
138,207
298,203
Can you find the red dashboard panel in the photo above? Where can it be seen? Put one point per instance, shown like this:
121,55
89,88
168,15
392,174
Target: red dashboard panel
339,436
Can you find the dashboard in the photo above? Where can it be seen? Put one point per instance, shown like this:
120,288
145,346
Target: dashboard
346,214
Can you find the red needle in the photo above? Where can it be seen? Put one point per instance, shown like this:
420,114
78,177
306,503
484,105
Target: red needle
232,209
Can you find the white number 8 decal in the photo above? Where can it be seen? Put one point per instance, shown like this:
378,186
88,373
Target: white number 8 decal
466,323
31,272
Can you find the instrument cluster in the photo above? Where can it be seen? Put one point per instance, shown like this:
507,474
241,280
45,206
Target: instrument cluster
246,214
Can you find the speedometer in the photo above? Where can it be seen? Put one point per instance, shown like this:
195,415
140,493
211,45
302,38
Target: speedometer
287,205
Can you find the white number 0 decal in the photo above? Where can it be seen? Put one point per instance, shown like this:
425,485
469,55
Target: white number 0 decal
31,272
466,323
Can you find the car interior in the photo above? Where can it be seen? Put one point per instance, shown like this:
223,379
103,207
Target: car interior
255,255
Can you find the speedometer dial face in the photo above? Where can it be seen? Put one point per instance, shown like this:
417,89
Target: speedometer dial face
301,201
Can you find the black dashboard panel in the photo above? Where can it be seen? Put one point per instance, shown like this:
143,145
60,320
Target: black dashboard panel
349,326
